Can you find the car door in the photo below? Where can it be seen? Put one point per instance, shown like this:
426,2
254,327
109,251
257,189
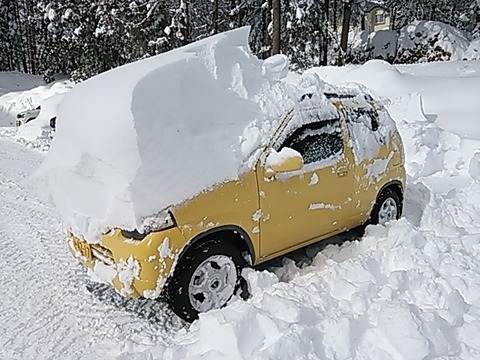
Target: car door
299,206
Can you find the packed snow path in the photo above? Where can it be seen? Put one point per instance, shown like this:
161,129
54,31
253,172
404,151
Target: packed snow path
46,311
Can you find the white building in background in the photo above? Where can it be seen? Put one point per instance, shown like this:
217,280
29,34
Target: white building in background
377,17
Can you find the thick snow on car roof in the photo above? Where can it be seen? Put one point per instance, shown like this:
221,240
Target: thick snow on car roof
138,138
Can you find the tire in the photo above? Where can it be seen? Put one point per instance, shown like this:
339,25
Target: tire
53,122
206,278
388,207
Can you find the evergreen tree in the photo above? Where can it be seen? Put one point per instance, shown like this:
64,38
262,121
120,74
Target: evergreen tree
83,38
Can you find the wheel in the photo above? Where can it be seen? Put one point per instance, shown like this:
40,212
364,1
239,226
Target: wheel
205,279
387,208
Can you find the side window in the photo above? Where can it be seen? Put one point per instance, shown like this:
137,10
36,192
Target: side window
317,141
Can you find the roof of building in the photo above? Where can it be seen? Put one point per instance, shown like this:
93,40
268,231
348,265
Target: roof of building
370,5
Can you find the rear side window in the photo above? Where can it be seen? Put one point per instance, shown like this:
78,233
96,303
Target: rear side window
317,141
367,116
367,131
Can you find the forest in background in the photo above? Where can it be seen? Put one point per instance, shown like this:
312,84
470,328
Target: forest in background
82,38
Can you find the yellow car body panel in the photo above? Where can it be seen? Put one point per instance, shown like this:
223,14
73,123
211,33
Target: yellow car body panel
152,260
274,212
232,204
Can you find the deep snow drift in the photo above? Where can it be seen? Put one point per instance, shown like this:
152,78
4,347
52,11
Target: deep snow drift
410,290
450,95
20,92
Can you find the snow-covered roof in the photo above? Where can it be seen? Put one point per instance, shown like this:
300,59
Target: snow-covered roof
370,5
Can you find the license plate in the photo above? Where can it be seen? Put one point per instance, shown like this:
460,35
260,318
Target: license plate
83,248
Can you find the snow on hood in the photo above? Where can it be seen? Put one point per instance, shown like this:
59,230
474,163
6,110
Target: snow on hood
134,140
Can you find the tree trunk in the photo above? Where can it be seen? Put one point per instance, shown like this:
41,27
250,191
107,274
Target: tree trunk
334,17
267,19
325,34
186,34
240,14
393,18
347,11
32,41
276,27
215,17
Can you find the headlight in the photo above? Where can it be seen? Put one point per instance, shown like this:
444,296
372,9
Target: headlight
134,234
160,221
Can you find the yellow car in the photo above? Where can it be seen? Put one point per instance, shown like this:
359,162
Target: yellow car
322,173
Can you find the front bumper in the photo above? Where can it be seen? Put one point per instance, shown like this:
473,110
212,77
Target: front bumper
136,268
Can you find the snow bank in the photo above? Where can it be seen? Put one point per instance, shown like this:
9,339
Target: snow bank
402,292
137,139
39,131
20,92
423,41
452,101
473,51
392,295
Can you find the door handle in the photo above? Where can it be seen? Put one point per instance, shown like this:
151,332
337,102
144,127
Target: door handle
342,170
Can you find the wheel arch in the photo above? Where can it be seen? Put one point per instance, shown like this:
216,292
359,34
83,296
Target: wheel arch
186,263
397,187
231,233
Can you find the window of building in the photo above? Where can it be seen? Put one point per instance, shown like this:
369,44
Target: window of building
379,17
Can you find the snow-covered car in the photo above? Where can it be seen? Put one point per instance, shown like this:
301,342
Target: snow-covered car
206,161
26,116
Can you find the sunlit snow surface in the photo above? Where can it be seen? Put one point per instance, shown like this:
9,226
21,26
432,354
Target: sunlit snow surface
410,290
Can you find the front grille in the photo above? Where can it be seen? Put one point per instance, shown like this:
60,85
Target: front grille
102,254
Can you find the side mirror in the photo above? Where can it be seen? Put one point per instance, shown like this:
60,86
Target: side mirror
285,160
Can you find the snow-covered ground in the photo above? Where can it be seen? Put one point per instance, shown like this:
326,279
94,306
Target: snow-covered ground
410,290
